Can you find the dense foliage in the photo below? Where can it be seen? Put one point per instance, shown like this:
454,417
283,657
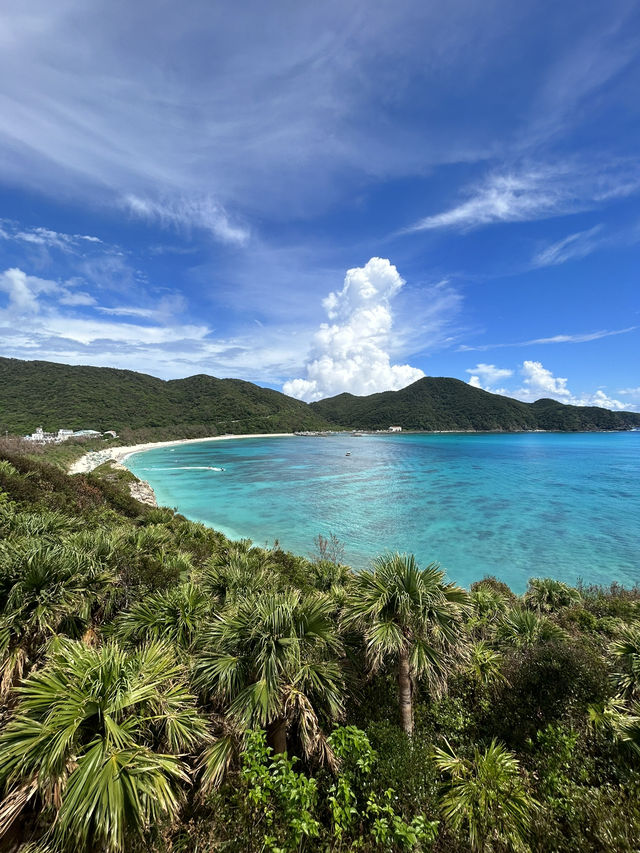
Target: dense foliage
166,690
144,408
436,403
141,407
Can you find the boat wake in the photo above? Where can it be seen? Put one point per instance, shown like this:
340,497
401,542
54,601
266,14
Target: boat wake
187,468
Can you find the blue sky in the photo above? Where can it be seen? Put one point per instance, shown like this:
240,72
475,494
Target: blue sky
326,197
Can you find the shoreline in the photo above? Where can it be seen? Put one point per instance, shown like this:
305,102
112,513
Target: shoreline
94,458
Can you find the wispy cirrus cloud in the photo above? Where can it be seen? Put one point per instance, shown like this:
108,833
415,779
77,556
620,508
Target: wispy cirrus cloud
570,248
184,213
536,192
580,338
46,237
251,117
583,243
48,319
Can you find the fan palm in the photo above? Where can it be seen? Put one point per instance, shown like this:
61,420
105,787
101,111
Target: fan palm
522,627
175,616
45,589
147,558
486,796
96,737
272,661
627,728
104,545
485,664
407,615
233,575
44,523
488,604
547,595
626,651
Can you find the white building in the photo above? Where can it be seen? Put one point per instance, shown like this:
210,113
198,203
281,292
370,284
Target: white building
395,429
42,437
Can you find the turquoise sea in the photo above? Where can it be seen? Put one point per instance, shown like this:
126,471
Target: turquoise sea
516,505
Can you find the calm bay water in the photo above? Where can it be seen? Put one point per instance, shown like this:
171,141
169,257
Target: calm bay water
522,505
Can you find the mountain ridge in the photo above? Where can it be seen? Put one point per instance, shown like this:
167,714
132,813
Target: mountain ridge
53,395
143,407
443,403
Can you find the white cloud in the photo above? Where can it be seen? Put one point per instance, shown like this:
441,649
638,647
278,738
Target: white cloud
352,353
229,103
599,398
573,247
485,375
23,291
42,315
583,243
45,319
264,117
127,311
490,373
580,338
539,192
46,237
77,298
539,382
186,213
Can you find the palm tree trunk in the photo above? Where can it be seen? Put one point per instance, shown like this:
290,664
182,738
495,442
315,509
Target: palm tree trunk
405,693
277,736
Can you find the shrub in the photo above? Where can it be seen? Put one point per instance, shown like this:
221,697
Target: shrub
546,683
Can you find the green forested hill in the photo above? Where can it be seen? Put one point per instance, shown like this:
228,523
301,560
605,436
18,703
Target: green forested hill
437,403
34,393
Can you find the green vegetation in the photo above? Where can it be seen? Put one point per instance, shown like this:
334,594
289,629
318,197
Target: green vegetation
166,690
142,408
436,403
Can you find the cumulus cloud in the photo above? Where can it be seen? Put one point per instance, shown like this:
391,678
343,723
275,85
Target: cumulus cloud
351,353
539,382
486,375
23,291
599,398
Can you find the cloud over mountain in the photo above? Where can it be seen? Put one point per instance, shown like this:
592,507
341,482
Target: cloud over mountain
539,382
351,353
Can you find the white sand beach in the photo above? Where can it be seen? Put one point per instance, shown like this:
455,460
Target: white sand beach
95,458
